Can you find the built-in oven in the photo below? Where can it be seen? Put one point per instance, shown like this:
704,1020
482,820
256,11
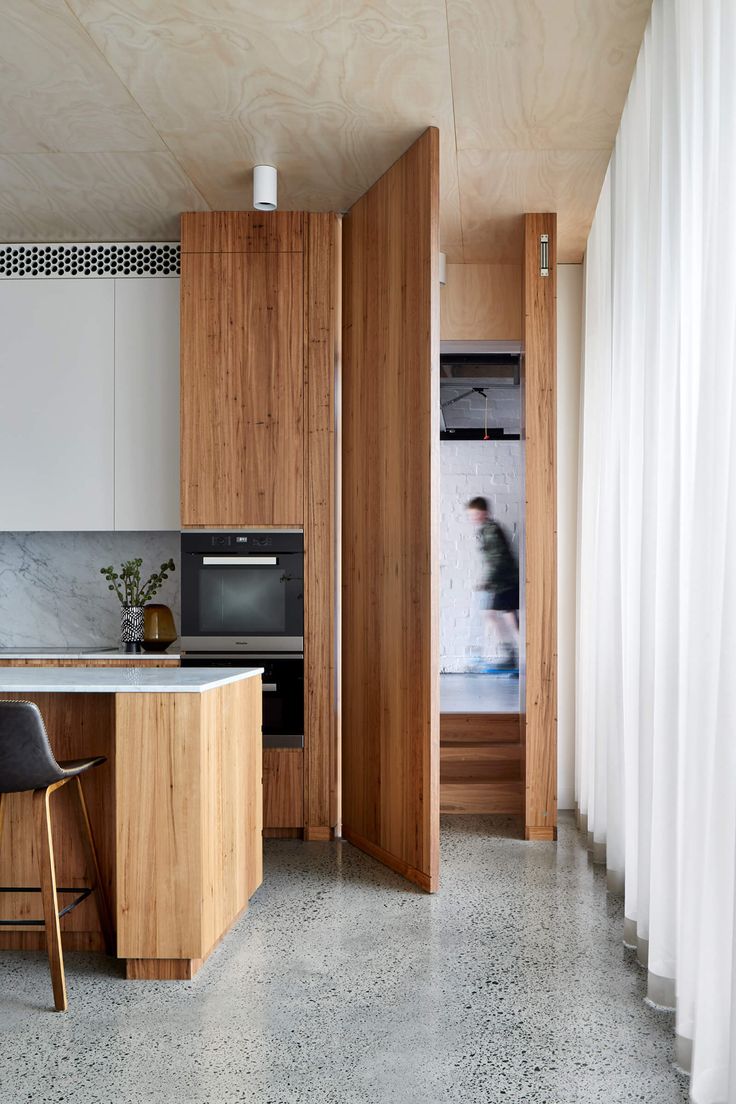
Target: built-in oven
283,691
243,591
242,605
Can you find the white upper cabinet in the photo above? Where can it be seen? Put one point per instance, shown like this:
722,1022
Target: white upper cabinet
89,403
56,404
147,403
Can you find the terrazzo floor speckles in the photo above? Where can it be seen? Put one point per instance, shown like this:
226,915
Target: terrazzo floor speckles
343,984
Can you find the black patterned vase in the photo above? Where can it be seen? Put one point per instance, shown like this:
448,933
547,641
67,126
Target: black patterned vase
132,622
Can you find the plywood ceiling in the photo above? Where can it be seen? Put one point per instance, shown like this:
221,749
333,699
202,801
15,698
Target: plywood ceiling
119,114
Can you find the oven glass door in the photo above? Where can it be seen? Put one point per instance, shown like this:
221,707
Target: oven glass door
283,690
243,596
283,697
241,599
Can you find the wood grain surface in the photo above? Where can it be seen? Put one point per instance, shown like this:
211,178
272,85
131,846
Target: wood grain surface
66,197
78,725
121,115
160,809
322,342
73,733
232,809
242,356
283,788
332,93
390,481
481,763
242,232
162,969
482,797
555,78
259,423
479,728
481,302
509,182
539,724
189,817
49,892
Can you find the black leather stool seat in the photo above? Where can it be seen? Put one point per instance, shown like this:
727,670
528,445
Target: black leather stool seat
26,759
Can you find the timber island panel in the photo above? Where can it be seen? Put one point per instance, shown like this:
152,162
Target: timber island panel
176,812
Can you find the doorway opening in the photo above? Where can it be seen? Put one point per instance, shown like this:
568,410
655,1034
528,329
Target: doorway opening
481,604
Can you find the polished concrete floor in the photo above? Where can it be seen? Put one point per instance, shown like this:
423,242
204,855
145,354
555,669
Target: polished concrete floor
343,985
478,694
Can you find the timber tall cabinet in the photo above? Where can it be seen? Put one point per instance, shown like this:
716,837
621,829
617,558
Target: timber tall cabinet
259,361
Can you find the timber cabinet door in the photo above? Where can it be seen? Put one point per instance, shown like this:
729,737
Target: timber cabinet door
242,388
390,484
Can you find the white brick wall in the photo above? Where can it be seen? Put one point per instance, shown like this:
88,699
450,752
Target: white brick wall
503,410
469,468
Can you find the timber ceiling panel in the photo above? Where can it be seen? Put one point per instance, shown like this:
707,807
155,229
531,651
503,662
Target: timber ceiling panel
119,114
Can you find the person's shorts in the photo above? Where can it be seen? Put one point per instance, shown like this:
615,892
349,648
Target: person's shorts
502,599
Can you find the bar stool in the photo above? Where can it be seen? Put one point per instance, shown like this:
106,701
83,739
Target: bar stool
28,763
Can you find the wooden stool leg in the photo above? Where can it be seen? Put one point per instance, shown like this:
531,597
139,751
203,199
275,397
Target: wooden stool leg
47,872
93,864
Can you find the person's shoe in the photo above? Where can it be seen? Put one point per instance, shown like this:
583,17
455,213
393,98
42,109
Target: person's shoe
510,660
500,664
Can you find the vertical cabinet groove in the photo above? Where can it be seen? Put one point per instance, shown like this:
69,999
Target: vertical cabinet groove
321,359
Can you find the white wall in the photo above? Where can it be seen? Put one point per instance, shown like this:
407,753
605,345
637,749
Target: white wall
569,323
467,469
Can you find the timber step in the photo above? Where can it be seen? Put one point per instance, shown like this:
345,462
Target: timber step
482,797
481,763
480,728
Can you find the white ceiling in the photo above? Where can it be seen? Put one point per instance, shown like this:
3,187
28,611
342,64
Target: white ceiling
119,114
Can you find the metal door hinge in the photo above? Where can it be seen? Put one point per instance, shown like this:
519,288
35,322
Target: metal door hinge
544,254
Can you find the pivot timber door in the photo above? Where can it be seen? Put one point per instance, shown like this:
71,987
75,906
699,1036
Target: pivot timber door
390,483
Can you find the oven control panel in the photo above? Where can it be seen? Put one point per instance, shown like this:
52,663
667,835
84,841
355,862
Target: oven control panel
255,542
274,541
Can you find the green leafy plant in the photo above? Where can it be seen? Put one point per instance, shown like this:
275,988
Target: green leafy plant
127,583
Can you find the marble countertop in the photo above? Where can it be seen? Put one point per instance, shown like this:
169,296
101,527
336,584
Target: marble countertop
119,680
83,653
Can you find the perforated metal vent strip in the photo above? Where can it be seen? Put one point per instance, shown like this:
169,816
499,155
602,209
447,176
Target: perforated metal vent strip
94,260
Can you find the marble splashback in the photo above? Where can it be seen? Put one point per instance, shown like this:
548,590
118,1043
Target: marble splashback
52,593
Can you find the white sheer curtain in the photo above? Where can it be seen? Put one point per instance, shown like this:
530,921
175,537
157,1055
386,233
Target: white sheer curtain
656,693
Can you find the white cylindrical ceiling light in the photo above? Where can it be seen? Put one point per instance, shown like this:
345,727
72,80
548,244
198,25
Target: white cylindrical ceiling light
265,185
443,269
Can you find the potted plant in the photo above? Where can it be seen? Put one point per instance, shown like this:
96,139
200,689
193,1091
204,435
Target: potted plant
133,595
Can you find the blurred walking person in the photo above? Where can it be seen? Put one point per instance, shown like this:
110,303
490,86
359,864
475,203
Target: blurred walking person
500,583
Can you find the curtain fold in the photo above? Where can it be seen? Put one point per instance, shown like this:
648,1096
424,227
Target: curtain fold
656,632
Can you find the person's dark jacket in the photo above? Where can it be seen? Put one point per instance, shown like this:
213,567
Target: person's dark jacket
501,568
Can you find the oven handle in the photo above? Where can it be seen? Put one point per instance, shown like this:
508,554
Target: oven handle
269,687
209,561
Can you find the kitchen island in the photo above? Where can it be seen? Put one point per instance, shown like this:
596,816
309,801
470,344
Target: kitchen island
176,810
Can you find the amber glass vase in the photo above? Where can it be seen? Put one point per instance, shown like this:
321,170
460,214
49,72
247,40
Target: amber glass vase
160,630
